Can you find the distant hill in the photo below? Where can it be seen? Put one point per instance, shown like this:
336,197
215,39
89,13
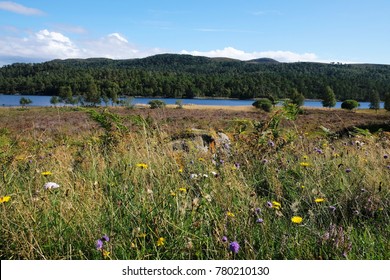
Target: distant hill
263,60
174,75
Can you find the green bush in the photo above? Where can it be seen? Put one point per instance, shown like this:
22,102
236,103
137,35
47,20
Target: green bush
264,104
349,104
154,104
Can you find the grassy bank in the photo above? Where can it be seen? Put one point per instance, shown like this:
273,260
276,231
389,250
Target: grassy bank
282,188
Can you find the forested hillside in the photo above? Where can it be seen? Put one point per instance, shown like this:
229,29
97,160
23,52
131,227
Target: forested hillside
171,75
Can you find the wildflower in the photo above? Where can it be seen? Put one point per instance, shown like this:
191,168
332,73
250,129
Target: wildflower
386,156
215,174
51,185
319,200
276,205
180,170
194,176
205,176
183,190
348,170
161,241
237,165
106,254
105,238
304,164
201,159
336,155
230,214
264,161
257,210
141,235
269,204
271,143
302,187
332,208
224,239
173,194
46,173
4,199
142,165
259,221
234,247
99,244
296,220
305,157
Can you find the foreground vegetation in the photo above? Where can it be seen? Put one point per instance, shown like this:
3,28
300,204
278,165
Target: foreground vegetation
106,184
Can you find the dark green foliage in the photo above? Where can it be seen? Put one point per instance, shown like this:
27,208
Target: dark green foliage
349,104
264,104
375,100
155,104
25,101
329,98
387,102
188,76
297,98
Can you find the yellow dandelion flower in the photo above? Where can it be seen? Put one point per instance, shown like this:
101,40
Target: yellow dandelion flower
201,159
161,241
133,245
305,157
296,220
304,164
183,190
173,194
106,254
230,214
142,165
46,173
4,199
336,155
302,187
325,145
180,170
319,200
276,205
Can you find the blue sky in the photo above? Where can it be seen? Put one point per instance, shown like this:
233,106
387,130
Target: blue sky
349,31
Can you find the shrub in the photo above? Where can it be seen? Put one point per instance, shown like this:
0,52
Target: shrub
264,104
349,104
154,104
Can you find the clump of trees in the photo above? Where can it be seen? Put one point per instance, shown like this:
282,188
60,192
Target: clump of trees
156,104
24,101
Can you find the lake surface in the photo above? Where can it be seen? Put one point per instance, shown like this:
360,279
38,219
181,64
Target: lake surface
13,100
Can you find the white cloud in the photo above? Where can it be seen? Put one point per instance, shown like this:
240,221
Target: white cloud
19,9
282,56
47,45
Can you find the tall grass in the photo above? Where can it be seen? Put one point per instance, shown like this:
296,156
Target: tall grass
125,180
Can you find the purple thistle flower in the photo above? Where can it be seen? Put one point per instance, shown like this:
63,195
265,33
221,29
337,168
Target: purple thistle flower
257,210
99,244
386,156
234,247
348,170
271,143
269,204
224,239
259,221
105,238
264,161
237,165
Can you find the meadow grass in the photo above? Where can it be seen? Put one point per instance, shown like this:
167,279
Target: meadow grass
125,180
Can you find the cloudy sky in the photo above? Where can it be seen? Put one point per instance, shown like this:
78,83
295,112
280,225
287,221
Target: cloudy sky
353,31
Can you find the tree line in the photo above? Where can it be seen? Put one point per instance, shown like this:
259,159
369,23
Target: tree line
185,76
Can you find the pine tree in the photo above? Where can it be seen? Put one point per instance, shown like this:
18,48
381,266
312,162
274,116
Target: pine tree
375,101
329,98
297,98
